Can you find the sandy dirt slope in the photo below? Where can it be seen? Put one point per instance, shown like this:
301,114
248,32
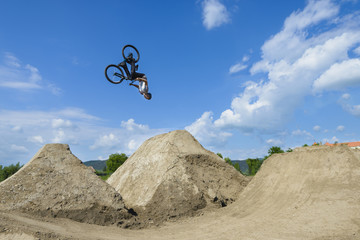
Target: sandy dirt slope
56,183
172,175
312,193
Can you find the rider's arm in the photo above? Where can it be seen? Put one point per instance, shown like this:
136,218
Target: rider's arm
135,85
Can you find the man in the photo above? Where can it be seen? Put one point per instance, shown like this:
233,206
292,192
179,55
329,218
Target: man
143,86
141,77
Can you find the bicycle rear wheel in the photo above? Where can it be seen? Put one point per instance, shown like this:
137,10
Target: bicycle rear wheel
127,49
114,74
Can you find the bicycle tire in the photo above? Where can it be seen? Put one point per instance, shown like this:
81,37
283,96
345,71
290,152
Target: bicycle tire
131,47
114,74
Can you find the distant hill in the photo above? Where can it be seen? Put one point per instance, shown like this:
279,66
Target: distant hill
100,164
96,164
243,165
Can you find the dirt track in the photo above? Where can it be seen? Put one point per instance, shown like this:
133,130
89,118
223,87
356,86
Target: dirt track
312,193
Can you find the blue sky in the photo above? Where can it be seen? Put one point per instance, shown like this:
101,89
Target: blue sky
240,75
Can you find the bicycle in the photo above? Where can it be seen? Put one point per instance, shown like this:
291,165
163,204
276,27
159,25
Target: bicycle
115,74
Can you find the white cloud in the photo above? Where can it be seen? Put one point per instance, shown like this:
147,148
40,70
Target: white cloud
299,132
133,144
345,96
274,142
340,128
294,60
237,68
25,130
331,140
23,77
17,129
61,123
36,139
215,14
102,158
291,42
16,148
339,76
206,132
76,113
245,58
316,128
14,75
125,139
357,50
352,109
108,141
59,137
130,125
11,60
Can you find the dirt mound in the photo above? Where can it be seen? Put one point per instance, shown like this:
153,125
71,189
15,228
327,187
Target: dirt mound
56,183
310,192
172,175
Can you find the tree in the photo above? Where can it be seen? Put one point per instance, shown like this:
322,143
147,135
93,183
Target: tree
274,150
115,160
228,160
254,165
237,167
289,150
6,172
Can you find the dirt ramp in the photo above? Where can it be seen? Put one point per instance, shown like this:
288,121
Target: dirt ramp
56,183
172,175
311,192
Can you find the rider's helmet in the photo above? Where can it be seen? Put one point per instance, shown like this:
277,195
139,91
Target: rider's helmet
147,96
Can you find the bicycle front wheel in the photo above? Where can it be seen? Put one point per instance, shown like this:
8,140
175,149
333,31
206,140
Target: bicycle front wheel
114,74
127,49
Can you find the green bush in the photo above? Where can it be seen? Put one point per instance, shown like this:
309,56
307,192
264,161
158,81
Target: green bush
6,172
115,160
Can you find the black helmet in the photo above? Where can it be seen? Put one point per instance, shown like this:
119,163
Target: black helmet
147,96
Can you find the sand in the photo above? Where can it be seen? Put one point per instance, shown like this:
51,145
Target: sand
171,175
56,183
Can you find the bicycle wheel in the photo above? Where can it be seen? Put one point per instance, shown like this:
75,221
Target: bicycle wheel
114,74
127,49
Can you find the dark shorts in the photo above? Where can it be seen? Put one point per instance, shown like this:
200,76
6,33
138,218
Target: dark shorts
139,75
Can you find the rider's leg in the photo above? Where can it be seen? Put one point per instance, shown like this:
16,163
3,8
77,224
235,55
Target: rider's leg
137,86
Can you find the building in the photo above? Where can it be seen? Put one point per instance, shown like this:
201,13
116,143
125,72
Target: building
354,145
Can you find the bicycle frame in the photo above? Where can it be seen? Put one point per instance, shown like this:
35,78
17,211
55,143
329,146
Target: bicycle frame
124,66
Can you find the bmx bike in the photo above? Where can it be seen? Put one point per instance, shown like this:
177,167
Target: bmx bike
115,73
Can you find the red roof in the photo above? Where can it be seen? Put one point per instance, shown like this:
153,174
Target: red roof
353,144
350,144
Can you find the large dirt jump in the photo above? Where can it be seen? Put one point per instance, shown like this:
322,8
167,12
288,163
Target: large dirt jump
311,193
172,175
56,183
